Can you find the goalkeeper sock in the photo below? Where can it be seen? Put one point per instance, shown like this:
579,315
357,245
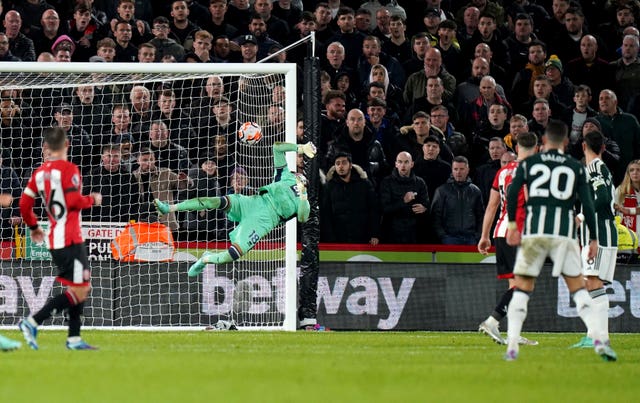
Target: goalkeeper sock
500,311
56,304
201,203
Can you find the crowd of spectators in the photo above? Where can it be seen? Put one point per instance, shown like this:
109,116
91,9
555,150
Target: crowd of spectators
422,100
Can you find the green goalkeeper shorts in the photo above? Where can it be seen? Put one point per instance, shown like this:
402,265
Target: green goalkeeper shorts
256,219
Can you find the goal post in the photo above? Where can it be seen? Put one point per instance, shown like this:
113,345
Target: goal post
186,115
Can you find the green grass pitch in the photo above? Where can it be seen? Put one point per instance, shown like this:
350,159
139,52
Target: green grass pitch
315,367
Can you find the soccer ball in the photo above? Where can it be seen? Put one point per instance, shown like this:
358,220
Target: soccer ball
250,133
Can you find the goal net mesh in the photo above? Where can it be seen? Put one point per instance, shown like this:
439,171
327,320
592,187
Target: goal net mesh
139,136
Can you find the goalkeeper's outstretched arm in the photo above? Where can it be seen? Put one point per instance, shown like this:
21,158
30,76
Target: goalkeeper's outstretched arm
280,149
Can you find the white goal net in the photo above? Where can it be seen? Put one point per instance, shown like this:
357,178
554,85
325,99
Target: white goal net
144,131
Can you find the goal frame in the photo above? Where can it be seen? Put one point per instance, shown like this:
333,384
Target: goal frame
289,70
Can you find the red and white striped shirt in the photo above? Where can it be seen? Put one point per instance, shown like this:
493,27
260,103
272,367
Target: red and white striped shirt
59,184
501,183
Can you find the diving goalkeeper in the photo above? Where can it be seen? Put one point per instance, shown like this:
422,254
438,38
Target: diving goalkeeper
281,200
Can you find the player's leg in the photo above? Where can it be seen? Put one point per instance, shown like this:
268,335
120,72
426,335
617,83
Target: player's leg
67,272
572,273
603,272
234,252
258,222
74,341
529,260
196,204
73,271
505,259
517,313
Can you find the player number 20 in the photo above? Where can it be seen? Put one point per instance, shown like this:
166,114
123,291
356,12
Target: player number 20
549,180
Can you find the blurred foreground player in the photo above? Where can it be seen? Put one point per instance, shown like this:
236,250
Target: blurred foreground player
58,183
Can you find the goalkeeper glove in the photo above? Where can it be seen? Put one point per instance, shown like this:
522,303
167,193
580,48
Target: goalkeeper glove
307,149
301,183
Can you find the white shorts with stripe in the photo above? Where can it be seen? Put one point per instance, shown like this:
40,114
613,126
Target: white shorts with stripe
533,251
603,266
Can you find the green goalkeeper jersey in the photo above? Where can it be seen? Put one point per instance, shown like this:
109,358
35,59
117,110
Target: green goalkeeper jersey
282,194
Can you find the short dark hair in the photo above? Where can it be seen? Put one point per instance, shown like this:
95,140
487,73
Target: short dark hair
460,159
376,84
420,114
342,154
145,151
575,10
345,11
527,140
55,138
432,139
487,14
440,108
333,94
160,20
583,87
594,141
256,16
448,24
523,16
377,101
110,147
556,131
537,42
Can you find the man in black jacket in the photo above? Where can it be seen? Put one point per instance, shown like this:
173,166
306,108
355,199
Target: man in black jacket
405,202
349,204
457,209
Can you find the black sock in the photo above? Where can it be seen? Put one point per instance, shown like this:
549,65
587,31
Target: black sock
56,304
500,311
75,319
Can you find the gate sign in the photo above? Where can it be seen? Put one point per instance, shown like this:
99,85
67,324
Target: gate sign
97,236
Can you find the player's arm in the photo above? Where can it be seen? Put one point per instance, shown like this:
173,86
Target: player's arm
281,148
75,199
26,204
513,193
27,201
513,235
489,215
586,198
602,195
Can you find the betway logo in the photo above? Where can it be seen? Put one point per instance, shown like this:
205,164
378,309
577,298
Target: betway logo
258,295
363,297
616,291
9,288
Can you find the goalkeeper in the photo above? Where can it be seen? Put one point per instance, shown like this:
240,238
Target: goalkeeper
281,200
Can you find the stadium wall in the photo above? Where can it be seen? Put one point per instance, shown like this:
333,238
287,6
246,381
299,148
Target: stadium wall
351,296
